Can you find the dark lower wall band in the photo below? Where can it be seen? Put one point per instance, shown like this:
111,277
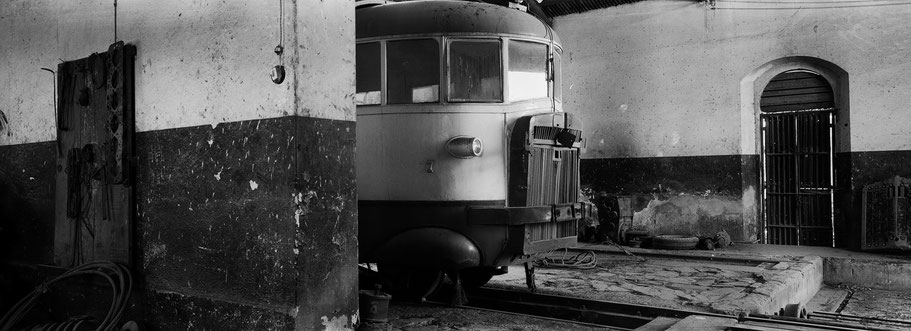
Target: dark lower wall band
259,213
702,194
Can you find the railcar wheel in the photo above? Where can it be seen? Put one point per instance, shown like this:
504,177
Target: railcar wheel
410,282
473,278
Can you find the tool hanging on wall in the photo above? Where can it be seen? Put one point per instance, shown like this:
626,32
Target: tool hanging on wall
94,173
278,71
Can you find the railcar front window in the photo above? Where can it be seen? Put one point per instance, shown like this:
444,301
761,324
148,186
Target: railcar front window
368,74
475,71
527,70
413,71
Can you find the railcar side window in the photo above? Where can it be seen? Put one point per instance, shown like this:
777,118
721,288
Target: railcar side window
558,77
527,70
368,74
413,71
475,71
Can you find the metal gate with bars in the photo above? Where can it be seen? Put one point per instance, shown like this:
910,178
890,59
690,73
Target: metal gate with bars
798,177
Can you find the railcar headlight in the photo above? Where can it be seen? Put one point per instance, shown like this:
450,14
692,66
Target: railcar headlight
464,147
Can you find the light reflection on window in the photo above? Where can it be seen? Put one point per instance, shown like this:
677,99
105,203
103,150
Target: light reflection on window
527,70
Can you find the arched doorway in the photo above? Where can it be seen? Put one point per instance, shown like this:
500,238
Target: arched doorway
797,121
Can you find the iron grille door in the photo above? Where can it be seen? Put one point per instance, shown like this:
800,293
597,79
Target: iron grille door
798,177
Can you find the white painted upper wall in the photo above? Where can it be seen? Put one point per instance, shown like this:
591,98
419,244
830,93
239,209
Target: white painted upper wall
662,78
197,63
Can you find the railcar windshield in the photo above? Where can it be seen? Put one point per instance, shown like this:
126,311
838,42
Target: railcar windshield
369,80
413,71
475,71
527,70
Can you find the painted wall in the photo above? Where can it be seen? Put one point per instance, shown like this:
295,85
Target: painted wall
245,199
659,80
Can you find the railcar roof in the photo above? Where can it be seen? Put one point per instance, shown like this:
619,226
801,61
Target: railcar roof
439,16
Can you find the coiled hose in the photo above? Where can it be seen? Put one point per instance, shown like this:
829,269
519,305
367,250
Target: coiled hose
118,276
583,260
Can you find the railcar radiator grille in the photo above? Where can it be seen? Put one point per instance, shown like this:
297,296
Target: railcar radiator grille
550,132
553,176
549,231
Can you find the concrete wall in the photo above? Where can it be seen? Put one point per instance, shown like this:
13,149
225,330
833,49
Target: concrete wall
674,84
245,203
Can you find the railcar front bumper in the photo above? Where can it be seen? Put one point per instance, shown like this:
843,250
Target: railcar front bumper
532,229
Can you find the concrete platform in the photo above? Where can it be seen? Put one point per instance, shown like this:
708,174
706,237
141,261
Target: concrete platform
886,271
873,285
691,280
744,277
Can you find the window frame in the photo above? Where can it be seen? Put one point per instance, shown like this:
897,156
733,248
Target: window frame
447,71
385,58
548,70
382,64
443,42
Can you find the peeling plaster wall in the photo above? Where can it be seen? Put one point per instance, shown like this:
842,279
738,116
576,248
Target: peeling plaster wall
198,62
658,84
245,195
662,78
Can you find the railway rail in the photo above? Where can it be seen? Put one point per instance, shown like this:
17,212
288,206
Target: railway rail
625,316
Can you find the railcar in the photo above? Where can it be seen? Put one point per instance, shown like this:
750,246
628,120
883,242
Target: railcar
466,162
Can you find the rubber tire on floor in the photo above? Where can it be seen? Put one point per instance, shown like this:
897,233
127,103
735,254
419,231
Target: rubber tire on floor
675,242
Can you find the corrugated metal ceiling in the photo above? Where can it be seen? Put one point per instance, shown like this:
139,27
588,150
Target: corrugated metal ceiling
555,8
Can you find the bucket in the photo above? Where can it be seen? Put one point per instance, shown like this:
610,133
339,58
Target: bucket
374,306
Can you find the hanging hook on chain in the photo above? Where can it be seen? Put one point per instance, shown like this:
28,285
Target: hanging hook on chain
278,71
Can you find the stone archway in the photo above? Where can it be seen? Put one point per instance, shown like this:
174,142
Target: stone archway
752,87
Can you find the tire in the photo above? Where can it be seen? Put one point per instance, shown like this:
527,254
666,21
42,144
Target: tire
674,242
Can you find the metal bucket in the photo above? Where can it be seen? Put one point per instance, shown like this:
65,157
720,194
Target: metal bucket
374,306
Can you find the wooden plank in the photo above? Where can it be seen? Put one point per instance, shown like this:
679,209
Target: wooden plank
797,99
94,192
796,106
797,91
796,83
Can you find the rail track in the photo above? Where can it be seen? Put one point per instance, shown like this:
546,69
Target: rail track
624,316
